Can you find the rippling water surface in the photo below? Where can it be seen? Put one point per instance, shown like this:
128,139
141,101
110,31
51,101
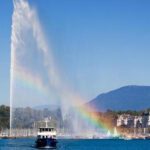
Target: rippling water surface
28,144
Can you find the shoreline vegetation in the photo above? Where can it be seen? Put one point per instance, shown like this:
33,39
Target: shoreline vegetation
4,117
25,119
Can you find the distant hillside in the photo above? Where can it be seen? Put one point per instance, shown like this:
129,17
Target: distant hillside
124,98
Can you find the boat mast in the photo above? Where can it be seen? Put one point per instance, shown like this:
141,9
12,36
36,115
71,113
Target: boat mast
46,121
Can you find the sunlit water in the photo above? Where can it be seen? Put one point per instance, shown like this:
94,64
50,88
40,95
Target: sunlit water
28,144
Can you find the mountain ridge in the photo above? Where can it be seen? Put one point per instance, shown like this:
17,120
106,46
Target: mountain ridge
130,97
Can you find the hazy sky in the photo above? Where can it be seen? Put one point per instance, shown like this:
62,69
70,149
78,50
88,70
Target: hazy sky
98,45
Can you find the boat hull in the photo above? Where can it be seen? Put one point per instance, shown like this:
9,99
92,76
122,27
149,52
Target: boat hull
46,143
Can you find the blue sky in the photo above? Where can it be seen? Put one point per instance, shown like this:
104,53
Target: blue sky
98,45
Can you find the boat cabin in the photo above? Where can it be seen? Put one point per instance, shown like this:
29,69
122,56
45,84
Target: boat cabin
49,132
46,129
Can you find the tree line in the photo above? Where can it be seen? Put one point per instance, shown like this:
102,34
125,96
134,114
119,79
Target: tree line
26,117
4,117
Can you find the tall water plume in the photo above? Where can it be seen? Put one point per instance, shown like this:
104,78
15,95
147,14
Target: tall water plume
34,74
29,50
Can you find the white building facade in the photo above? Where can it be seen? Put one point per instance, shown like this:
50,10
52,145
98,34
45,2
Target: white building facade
134,121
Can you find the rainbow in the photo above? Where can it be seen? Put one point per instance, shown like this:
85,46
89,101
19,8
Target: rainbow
29,80
34,82
90,114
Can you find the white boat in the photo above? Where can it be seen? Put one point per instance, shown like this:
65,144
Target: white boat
46,137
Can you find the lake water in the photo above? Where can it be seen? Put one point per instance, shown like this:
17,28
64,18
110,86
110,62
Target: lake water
28,144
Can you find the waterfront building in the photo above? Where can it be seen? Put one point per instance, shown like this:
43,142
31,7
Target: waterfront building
146,120
120,121
125,120
130,121
137,121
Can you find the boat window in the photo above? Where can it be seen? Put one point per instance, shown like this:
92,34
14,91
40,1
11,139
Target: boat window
46,129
